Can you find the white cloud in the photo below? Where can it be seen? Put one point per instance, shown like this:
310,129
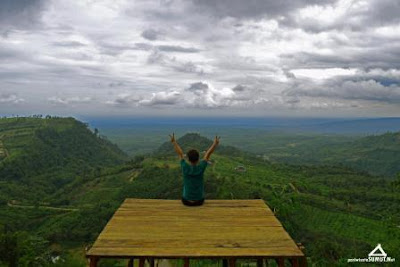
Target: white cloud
10,98
69,100
322,74
252,56
161,98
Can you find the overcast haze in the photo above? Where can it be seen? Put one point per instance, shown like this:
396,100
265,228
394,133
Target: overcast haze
227,57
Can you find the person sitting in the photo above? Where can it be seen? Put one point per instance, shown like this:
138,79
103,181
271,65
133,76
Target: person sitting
193,172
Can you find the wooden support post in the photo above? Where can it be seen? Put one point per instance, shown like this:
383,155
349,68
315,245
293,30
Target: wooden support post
93,261
303,262
232,262
294,262
260,263
280,262
224,263
151,262
141,262
130,262
186,263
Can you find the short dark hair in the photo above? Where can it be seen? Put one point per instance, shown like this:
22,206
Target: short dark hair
193,155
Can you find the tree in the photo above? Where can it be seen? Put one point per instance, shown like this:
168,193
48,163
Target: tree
396,183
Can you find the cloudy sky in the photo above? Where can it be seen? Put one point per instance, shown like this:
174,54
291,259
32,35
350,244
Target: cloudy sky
200,57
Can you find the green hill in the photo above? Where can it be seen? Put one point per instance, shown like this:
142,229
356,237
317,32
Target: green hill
336,212
376,154
44,154
195,141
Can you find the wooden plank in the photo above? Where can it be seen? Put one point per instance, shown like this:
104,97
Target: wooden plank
203,212
180,206
201,238
196,220
209,203
150,228
204,242
191,231
195,253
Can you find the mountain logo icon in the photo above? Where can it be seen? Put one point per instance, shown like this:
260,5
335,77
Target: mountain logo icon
377,252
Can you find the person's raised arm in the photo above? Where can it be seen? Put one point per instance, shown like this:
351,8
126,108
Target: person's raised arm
177,148
212,148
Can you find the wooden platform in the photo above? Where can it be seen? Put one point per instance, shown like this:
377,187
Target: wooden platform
224,229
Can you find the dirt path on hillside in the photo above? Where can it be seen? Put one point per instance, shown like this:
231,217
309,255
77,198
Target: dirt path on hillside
135,173
41,207
3,150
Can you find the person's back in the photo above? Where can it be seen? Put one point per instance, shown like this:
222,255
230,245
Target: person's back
193,173
193,177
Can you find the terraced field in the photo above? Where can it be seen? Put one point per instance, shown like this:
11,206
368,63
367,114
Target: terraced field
3,150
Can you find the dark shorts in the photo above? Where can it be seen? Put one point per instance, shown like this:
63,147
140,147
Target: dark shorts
192,202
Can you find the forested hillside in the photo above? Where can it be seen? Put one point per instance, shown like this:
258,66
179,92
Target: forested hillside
58,207
375,154
41,155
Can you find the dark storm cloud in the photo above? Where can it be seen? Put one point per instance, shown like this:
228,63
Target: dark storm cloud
125,100
143,46
158,58
69,44
20,13
369,90
239,88
150,34
383,12
115,49
9,53
187,67
383,56
253,8
177,48
197,86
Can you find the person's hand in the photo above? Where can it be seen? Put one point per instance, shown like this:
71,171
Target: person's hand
172,137
216,140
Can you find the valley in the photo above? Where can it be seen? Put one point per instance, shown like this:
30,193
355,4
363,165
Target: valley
62,182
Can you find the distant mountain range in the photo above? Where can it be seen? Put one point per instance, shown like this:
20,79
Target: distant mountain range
195,141
319,125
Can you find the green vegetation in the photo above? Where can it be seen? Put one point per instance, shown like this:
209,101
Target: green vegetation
376,154
61,183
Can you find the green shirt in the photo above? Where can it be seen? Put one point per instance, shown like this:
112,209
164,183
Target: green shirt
193,180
